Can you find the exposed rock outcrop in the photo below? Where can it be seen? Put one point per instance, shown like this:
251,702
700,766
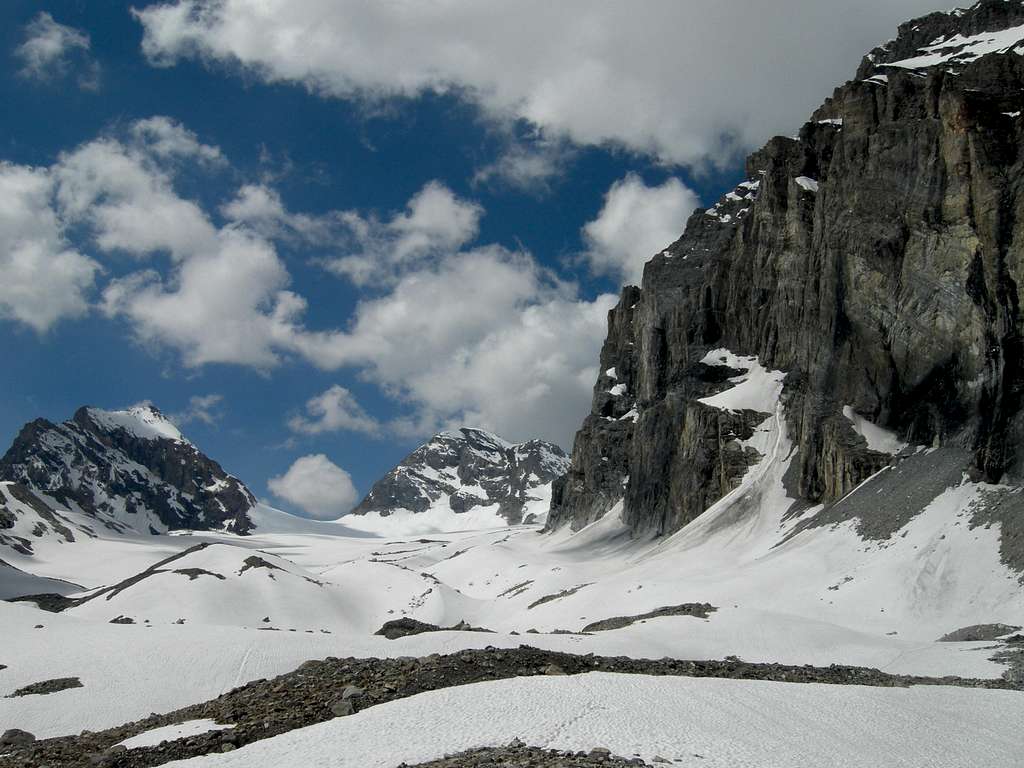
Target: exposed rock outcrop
875,259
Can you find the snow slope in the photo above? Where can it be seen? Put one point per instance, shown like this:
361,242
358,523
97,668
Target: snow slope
230,585
785,590
695,722
142,421
959,49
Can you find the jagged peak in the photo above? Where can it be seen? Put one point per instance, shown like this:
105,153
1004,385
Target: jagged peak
476,435
143,420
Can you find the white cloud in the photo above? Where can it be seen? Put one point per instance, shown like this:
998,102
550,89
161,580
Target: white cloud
50,50
435,222
123,191
167,138
636,222
529,166
260,208
204,408
483,337
43,279
451,334
318,486
227,305
686,84
334,410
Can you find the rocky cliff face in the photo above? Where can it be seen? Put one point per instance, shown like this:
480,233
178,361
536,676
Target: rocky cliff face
466,469
130,470
874,259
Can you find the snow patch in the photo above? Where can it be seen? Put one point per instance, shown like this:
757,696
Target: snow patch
807,183
143,421
878,438
958,49
153,737
758,389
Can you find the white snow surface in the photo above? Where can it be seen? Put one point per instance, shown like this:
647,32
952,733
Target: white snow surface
807,183
692,722
437,518
958,49
143,421
820,596
758,389
878,438
153,737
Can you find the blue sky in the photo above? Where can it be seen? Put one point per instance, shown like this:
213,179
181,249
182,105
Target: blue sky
334,228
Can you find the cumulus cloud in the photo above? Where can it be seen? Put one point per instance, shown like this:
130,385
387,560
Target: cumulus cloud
685,85
435,222
260,208
167,138
202,408
43,279
334,410
51,50
225,305
316,485
484,337
127,200
528,166
452,333
635,222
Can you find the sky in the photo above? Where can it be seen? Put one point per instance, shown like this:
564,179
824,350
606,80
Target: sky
315,232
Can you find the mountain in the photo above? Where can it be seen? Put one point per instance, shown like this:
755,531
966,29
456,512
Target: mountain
129,471
469,470
856,294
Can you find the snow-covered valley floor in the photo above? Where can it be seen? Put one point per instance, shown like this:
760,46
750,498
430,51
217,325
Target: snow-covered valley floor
199,614
327,595
692,722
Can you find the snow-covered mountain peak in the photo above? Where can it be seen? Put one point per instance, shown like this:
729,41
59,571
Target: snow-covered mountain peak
144,421
131,470
469,471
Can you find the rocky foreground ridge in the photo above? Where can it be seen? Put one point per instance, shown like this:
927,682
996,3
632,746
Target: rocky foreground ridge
875,259
130,470
469,468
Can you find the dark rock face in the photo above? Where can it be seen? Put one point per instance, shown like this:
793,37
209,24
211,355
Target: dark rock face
699,610
470,468
978,632
131,470
406,626
875,259
519,755
47,686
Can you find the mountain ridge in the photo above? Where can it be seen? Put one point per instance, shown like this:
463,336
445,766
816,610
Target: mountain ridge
464,469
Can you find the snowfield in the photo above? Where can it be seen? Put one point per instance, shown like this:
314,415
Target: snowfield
209,618
693,722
